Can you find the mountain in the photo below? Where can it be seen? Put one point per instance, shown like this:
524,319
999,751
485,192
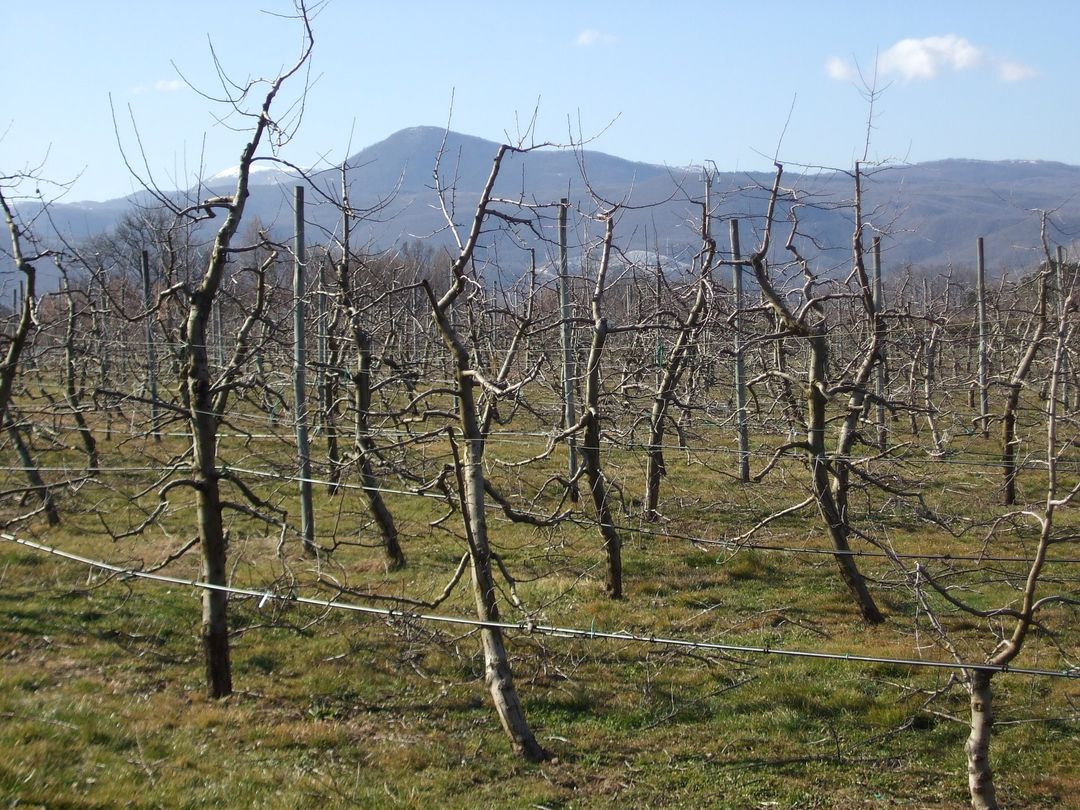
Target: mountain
929,214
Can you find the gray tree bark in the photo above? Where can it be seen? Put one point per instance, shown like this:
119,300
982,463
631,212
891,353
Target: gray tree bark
829,471
9,368
689,331
497,672
361,379
205,409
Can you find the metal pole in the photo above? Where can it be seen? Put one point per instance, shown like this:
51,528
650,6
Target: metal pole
658,294
1062,294
307,518
740,365
879,381
567,333
101,326
323,351
219,331
151,355
984,370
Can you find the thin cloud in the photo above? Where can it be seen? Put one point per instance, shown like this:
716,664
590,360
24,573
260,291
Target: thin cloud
840,69
929,58
169,85
1015,72
591,36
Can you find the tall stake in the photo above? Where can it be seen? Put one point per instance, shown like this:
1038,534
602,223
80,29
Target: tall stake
658,297
307,518
567,332
879,325
740,364
219,332
151,358
323,353
100,320
1062,295
984,372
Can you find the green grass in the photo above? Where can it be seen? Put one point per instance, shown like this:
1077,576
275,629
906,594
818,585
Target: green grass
101,688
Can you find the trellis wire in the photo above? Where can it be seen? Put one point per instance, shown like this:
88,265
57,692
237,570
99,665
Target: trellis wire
530,628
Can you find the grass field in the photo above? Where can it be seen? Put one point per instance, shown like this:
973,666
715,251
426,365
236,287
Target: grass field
102,685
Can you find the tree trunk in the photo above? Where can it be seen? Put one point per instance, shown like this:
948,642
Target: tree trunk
215,623
591,420
984,362
669,380
331,382
831,495
33,475
497,673
977,747
590,451
929,384
566,336
204,426
365,446
71,388
99,317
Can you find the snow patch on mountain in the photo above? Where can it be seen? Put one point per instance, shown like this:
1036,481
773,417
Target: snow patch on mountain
261,172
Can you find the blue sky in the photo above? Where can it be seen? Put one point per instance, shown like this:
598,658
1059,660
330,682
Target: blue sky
677,83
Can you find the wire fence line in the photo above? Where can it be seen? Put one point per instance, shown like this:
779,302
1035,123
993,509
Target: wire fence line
529,627
528,438
722,543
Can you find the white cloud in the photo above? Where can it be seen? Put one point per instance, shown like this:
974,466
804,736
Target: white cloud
1015,71
928,58
840,69
591,36
169,85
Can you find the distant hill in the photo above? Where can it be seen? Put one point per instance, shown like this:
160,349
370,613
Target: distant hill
930,214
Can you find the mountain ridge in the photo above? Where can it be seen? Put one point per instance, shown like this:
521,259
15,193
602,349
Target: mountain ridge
929,214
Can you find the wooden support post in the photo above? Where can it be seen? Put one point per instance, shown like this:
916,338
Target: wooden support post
1062,295
879,372
307,518
321,336
741,428
984,365
219,331
151,350
567,334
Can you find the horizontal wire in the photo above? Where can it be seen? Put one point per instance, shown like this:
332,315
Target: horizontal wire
583,522
530,628
965,458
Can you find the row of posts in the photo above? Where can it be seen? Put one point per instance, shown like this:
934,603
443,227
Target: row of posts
568,360
737,268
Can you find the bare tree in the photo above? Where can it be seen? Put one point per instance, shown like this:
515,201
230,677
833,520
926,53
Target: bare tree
206,398
19,235
1015,385
830,472
688,331
470,471
362,342
1025,616
589,421
72,388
